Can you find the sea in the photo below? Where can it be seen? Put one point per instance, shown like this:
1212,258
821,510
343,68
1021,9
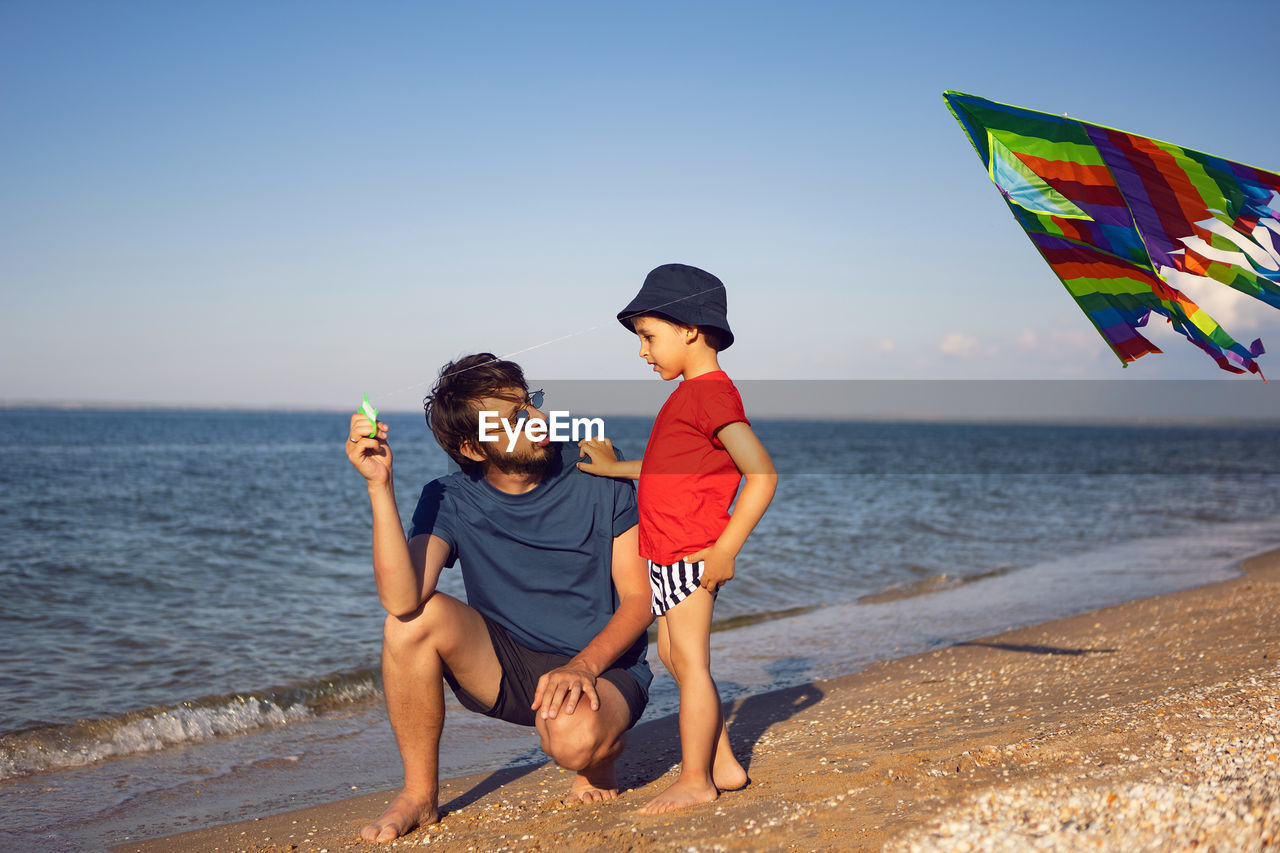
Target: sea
190,633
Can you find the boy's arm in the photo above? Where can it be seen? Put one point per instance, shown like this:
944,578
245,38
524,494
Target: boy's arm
577,678
761,481
605,462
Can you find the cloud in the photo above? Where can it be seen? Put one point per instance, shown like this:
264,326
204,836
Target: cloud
1229,307
958,343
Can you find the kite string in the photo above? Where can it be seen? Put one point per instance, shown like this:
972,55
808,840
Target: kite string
506,356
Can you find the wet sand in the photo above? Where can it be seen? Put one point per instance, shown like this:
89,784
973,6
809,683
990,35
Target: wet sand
1150,725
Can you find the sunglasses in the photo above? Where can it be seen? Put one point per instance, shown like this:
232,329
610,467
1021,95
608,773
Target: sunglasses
535,401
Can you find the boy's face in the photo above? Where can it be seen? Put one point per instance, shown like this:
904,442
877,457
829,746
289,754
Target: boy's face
663,345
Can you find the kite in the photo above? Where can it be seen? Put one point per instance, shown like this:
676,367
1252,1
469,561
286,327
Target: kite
367,409
1117,215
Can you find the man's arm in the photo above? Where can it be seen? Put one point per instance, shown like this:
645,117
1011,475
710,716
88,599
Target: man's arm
406,572
564,686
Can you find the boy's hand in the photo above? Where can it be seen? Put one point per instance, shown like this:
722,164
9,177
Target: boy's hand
602,458
717,569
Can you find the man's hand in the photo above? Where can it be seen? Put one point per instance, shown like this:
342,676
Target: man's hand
371,456
717,567
603,461
563,687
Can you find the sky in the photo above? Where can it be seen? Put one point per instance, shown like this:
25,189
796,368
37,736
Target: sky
289,204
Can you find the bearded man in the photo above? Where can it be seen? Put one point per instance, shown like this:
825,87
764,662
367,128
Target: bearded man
552,634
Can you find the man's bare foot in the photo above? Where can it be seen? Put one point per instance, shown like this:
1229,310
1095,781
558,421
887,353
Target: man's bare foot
405,812
593,785
681,795
728,775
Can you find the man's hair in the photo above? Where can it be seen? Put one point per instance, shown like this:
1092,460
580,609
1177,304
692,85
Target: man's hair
452,406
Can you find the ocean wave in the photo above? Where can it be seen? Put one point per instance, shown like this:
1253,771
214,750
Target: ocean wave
43,748
935,583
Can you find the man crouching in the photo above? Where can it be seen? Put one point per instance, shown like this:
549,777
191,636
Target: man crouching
553,631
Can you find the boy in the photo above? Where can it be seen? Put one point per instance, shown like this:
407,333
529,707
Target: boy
700,448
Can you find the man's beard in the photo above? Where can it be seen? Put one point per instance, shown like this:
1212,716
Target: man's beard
531,461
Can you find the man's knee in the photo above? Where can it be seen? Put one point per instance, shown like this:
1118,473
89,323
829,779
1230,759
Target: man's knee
429,622
578,740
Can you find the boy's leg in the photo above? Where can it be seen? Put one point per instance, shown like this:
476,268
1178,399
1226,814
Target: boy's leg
664,648
416,649
701,722
726,772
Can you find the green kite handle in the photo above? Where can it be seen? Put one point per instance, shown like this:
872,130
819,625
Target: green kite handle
367,409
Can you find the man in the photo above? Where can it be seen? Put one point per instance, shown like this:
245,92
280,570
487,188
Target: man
553,631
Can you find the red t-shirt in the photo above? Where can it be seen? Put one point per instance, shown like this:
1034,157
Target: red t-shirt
688,480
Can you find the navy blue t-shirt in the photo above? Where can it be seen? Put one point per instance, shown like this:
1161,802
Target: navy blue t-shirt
539,564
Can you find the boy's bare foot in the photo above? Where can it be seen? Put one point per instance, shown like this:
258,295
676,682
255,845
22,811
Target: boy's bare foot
680,795
726,772
405,812
730,776
593,785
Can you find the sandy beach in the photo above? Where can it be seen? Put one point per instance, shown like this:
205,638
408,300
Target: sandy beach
1150,725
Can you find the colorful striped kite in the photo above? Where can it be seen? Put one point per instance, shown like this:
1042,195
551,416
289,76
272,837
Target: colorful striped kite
1114,214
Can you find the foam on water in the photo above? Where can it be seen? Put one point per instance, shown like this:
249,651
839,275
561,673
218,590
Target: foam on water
84,743
56,747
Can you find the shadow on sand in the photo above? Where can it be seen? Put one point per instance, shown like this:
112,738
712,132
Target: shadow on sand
653,748
1036,650
488,785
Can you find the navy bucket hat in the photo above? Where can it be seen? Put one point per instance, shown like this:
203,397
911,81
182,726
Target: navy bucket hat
685,294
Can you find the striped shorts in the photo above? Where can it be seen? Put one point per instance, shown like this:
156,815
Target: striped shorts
673,584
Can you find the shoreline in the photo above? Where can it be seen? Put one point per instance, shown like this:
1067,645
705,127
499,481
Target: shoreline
918,752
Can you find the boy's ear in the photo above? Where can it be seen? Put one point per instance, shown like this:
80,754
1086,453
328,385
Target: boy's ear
469,450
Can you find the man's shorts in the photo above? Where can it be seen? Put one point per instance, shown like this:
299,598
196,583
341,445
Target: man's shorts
521,669
673,584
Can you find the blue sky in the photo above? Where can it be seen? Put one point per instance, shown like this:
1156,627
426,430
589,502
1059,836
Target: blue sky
288,203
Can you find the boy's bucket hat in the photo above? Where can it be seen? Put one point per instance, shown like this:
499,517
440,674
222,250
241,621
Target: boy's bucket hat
685,294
